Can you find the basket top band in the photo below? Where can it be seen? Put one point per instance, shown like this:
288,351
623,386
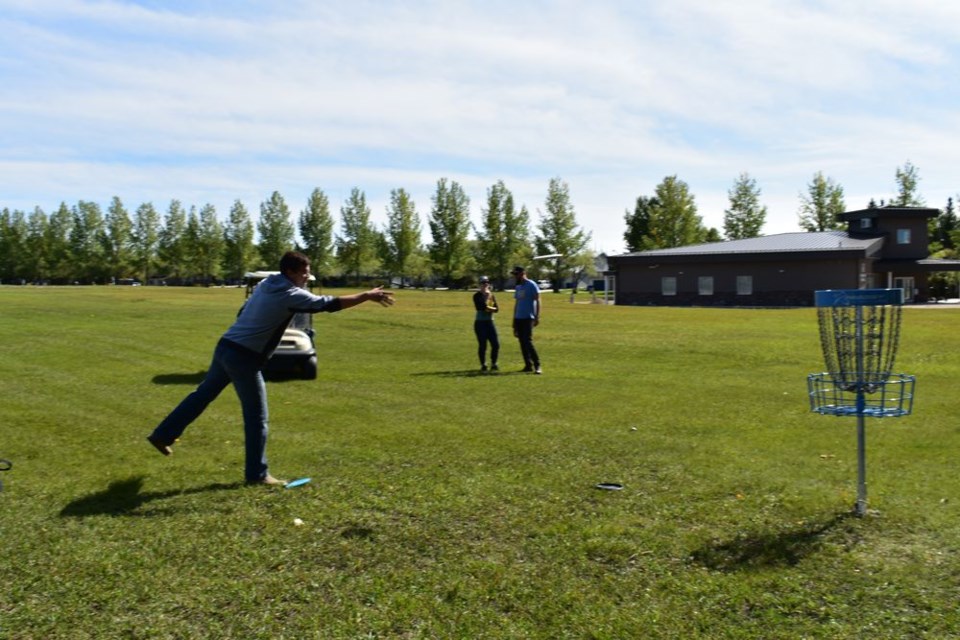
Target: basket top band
858,297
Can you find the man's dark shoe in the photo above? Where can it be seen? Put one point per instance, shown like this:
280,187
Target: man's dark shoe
527,369
160,445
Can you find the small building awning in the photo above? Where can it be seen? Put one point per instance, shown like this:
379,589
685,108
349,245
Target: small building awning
927,265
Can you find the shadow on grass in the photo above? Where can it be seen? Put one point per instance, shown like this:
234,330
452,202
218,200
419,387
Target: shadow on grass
180,378
767,549
469,373
124,496
356,531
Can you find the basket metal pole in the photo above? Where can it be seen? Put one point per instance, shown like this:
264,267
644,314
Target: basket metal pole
861,506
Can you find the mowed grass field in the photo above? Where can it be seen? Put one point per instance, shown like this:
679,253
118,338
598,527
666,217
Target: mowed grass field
449,504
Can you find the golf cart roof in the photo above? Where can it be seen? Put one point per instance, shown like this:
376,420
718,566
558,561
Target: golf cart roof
260,275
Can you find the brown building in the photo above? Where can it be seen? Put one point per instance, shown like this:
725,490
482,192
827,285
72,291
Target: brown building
881,248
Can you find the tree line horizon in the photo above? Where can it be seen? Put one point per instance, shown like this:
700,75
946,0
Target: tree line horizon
82,244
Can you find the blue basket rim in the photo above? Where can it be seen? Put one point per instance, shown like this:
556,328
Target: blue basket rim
858,297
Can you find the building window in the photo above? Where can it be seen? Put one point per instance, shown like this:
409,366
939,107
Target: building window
744,285
903,236
705,285
866,223
668,285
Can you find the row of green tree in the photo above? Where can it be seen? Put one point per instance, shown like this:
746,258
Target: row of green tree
83,244
669,218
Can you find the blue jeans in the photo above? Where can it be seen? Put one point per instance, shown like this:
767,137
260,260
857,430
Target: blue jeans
230,364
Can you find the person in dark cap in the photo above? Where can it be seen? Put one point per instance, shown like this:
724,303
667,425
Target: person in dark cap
483,325
526,316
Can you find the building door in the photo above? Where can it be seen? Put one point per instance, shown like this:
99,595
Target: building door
609,289
907,285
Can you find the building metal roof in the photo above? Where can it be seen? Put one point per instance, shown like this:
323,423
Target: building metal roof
796,242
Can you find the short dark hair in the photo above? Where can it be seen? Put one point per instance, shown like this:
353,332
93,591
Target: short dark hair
293,261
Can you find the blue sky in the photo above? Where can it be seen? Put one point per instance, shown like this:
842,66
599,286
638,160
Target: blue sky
212,102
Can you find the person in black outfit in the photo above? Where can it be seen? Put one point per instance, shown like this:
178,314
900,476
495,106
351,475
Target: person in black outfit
483,325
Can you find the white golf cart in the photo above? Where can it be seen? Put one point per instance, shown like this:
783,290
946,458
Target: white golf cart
296,355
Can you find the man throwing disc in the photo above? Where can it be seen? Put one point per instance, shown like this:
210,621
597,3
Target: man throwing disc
242,351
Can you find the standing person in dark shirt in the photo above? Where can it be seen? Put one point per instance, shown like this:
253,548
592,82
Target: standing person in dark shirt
483,325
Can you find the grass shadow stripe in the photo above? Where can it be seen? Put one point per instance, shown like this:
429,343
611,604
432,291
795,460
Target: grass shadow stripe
767,549
124,497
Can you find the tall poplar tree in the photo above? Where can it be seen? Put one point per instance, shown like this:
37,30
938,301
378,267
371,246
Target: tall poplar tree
746,216
637,236
908,184
191,246
450,231
86,242
240,252
118,240
209,245
59,258
146,238
276,231
676,223
821,205
402,240
38,225
504,236
357,243
667,219
316,230
516,231
560,234
13,245
171,243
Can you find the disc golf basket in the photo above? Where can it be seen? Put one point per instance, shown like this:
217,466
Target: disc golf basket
859,334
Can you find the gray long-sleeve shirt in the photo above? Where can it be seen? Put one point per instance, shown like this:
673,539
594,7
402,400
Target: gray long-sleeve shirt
262,320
